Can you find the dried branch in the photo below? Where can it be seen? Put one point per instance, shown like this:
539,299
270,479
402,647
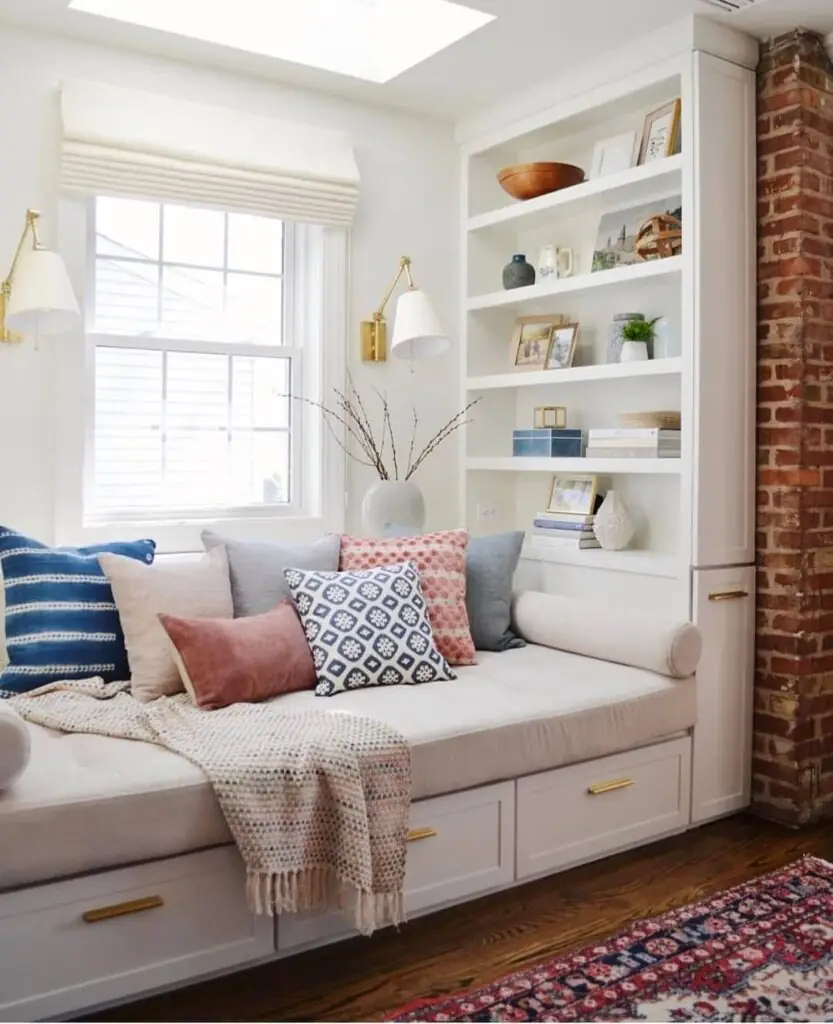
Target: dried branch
455,423
350,413
413,443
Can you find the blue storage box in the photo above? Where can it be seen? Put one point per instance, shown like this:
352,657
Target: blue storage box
548,443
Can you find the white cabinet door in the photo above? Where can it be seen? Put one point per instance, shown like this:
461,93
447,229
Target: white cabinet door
722,232
724,609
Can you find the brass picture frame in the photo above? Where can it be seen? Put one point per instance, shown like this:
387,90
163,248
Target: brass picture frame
573,494
530,347
563,341
660,134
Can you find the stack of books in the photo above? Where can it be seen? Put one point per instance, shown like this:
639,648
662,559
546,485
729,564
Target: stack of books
633,443
564,529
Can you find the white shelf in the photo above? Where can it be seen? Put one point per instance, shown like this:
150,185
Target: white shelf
516,298
608,467
576,375
643,563
635,184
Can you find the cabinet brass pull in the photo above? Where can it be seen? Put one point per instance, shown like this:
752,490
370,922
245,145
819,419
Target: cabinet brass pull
728,595
597,788
122,909
421,833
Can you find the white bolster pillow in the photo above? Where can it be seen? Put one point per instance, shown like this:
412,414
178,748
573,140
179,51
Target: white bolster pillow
671,648
14,745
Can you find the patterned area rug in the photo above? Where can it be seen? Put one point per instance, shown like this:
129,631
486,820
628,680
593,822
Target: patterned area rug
760,952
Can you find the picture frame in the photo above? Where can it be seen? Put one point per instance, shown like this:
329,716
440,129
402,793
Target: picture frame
530,346
613,155
573,494
619,230
550,417
660,134
563,341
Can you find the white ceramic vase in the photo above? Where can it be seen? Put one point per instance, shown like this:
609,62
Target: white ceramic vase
613,526
666,338
634,352
393,508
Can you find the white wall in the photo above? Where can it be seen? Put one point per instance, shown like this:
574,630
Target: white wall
408,206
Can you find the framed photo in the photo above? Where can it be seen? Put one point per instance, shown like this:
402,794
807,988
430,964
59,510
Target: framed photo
562,346
573,495
661,133
618,231
530,347
613,155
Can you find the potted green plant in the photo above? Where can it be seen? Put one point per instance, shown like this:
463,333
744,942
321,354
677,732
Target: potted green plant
636,336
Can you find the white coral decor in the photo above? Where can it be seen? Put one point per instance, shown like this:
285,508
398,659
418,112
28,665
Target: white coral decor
613,526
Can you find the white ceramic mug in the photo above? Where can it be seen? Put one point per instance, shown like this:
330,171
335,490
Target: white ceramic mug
555,262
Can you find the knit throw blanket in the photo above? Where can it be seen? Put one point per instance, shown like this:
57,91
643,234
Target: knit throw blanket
317,802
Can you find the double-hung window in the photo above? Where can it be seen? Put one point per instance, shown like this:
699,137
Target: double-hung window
194,339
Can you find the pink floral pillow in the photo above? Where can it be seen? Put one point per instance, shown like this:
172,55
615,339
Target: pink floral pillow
441,560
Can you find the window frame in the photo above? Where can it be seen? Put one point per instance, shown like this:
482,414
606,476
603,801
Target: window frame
315,308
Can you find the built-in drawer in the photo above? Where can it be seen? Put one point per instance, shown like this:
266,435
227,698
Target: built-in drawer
73,944
592,809
459,845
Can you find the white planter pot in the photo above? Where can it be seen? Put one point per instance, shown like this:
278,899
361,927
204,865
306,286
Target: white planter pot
393,508
634,352
613,526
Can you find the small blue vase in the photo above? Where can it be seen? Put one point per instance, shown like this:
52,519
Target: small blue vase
518,273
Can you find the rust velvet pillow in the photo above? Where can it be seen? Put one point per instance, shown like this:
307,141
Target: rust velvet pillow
229,661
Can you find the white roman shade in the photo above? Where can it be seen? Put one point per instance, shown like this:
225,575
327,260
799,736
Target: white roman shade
144,145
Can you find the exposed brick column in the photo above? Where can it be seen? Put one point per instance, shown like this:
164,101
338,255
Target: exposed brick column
793,743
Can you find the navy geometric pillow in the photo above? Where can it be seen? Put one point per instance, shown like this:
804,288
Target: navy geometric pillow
61,619
367,627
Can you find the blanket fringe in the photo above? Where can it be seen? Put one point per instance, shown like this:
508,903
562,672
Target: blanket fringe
318,888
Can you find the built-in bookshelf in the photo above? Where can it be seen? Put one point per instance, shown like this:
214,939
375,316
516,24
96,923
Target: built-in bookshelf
692,555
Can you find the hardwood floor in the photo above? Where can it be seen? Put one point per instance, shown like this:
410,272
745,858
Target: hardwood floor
363,979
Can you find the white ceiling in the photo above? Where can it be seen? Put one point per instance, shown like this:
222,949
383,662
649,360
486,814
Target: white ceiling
529,42
772,17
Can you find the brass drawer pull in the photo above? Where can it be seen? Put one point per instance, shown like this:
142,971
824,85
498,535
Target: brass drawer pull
598,788
122,909
421,833
728,595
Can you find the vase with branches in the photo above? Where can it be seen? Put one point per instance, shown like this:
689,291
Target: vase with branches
395,503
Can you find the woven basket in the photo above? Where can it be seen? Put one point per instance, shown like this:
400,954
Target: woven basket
664,419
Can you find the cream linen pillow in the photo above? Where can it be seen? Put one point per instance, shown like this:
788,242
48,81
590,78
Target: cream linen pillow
189,590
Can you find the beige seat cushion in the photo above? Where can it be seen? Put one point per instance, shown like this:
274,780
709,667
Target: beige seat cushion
88,802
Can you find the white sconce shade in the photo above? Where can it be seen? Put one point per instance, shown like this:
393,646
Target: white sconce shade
42,300
417,333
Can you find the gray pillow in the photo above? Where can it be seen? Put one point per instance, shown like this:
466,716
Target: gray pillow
490,569
256,567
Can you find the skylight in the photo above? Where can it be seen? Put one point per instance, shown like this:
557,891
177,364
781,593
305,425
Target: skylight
371,39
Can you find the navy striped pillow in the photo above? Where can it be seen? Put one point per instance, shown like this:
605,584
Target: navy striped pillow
61,619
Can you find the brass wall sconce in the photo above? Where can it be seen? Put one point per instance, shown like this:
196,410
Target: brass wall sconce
416,332
36,297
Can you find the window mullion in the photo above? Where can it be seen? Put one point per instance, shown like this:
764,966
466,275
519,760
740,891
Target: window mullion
163,426
160,269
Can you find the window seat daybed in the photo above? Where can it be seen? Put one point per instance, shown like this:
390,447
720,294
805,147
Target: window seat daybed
537,758
91,802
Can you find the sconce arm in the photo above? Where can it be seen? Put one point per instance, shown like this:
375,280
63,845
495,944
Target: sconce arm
6,287
404,268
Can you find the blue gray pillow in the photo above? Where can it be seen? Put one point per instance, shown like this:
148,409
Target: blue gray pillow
61,620
256,567
490,570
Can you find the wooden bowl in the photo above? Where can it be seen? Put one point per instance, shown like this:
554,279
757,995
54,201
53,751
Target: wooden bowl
528,181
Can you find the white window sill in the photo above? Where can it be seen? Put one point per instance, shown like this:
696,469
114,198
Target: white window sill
174,537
